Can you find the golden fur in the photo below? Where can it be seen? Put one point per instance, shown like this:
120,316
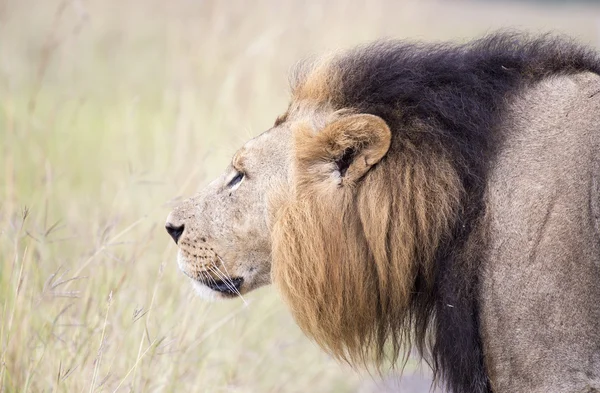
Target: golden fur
346,257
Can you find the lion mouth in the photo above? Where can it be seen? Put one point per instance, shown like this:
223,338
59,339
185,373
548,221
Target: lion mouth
212,278
229,286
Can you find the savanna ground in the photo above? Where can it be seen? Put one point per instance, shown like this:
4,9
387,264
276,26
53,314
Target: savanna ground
111,110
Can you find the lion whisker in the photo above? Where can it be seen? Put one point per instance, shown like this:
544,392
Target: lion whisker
227,281
212,270
224,267
228,275
211,278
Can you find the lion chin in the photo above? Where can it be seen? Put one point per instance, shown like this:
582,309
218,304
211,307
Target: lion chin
206,293
200,288
438,197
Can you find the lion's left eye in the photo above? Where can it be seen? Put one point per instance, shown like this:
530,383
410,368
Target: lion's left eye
236,180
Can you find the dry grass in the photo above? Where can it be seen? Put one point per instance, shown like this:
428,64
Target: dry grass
109,109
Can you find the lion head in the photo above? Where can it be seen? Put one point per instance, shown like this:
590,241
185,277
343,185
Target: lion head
223,232
364,203
309,205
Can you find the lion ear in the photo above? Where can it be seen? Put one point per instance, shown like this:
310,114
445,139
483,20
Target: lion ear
355,143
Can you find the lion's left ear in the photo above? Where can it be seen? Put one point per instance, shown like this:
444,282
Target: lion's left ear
355,143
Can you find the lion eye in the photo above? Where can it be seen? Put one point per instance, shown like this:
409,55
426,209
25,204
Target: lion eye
236,180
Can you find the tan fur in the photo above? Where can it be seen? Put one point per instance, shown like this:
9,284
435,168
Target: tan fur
316,81
345,257
367,135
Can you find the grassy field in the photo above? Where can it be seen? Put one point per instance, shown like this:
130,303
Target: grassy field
112,110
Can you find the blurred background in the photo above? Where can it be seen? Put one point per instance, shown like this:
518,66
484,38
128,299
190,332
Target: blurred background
110,112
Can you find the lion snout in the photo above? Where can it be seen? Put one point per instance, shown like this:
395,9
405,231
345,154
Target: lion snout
175,225
175,230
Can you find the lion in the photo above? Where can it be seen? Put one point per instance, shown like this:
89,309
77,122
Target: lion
440,197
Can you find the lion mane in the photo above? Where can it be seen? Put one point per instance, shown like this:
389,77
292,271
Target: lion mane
376,266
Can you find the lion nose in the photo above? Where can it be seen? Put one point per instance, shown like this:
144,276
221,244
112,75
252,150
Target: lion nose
175,231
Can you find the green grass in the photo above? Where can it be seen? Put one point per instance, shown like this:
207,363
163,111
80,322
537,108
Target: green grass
110,111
